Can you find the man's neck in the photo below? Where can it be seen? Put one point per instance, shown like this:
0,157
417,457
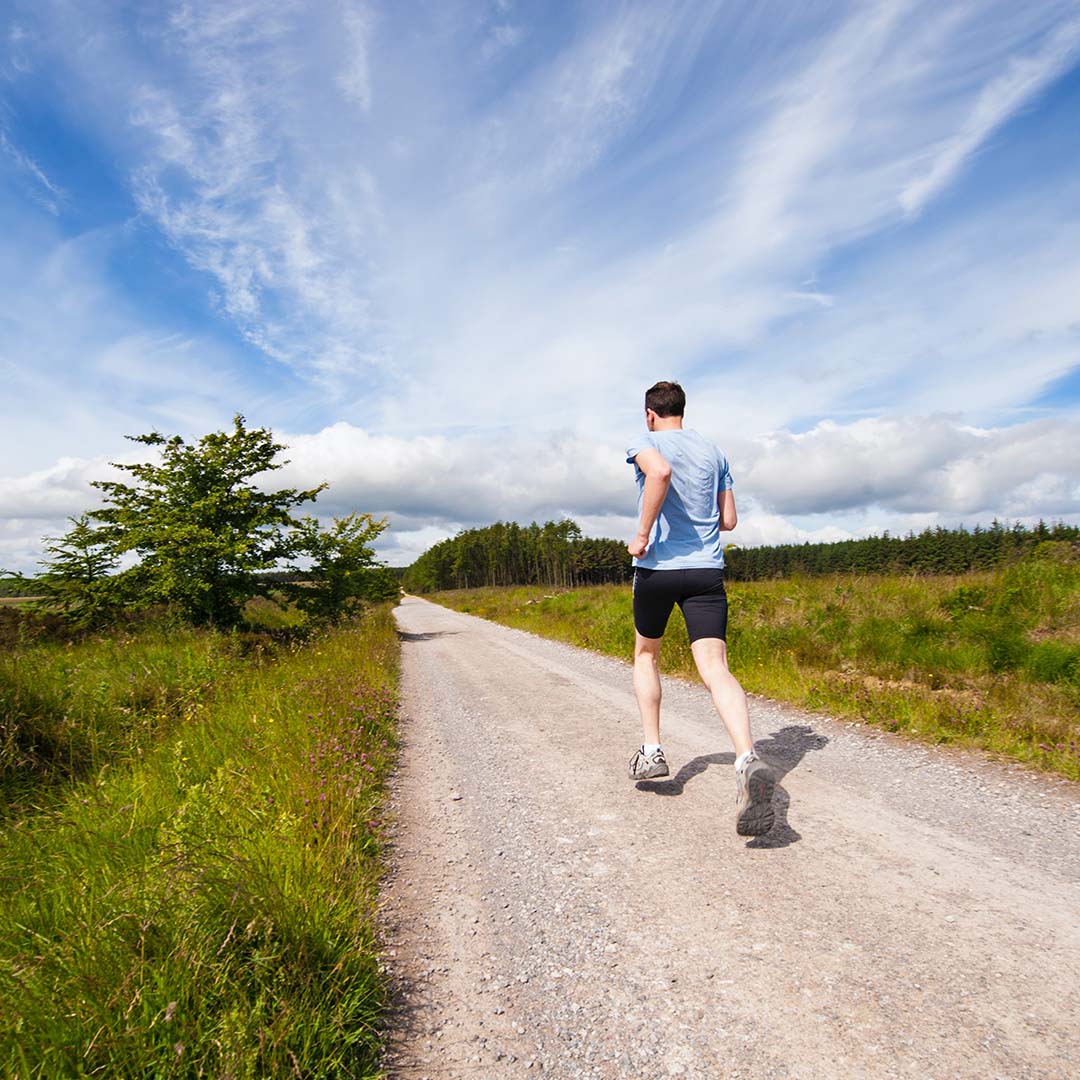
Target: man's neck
667,423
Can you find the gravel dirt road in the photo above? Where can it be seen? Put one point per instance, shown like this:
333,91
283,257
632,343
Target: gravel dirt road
914,912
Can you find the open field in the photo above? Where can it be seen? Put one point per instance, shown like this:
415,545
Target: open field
990,660
189,849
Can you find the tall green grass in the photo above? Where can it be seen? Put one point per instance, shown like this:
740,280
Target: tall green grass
69,707
989,660
197,897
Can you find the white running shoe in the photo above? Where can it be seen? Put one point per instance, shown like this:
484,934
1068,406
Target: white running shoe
754,783
648,766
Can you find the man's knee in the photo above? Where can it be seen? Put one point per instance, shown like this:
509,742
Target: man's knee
646,648
710,653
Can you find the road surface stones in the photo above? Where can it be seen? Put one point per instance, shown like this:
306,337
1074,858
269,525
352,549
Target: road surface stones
912,912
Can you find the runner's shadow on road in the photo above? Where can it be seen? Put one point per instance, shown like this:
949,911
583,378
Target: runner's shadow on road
783,750
404,635
693,768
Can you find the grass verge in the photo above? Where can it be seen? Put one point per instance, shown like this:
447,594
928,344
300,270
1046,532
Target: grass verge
986,660
197,899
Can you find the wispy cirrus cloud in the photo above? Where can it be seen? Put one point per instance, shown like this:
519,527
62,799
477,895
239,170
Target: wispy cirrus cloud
366,246
224,179
82,365
41,188
355,80
1022,80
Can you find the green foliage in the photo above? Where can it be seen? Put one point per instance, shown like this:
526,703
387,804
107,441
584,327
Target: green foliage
71,708
16,585
203,903
933,551
1006,647
556,554
968,598
276,617
80,580
1053,662
202,531
206,541
344,571
507,553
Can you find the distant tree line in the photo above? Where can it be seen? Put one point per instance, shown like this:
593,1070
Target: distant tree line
556,554
933,551
507,553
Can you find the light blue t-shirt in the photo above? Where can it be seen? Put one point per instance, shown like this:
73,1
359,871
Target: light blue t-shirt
686,535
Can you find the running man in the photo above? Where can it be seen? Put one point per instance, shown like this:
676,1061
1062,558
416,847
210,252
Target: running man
685,501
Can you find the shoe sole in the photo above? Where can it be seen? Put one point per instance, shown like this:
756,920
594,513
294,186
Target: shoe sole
651,775
757,817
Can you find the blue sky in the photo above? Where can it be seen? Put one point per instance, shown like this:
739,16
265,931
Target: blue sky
442,248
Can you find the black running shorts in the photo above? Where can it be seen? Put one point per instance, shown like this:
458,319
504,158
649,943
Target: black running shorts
698,592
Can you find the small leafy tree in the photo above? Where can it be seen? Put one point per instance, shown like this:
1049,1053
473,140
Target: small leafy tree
79,581
201,530
344,568
205,540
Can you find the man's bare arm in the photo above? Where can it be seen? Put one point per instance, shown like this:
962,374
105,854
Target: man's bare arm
728,517
657,481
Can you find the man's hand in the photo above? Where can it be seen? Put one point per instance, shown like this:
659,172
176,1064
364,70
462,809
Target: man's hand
639,545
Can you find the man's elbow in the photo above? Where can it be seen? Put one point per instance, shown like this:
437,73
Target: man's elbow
728,522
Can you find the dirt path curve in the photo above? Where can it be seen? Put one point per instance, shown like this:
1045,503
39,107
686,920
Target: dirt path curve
914,913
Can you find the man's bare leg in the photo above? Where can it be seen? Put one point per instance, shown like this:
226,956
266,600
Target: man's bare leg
755,780
647,685
710,655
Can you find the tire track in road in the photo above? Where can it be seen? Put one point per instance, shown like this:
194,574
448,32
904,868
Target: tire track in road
913,913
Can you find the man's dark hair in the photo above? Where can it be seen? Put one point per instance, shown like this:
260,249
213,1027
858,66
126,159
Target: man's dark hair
666,399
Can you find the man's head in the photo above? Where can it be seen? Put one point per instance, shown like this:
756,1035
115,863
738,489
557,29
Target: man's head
664,401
